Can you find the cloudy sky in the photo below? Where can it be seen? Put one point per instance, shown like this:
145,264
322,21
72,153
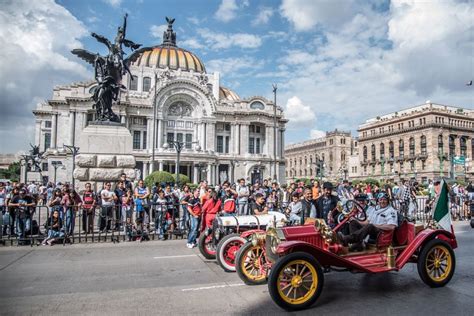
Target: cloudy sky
336,63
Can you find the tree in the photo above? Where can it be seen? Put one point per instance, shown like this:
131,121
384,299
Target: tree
12,173
165,177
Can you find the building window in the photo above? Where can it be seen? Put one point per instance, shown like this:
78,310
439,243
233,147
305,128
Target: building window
440,144
220,144
423,145
372,152
189,141
136,139
47,140
170,137
44,166
252,145
462,143
412,146
257,145
452,146
423,165
179,137
144,140
364,153
47,124
227,141
382,151
401,148
133,85
146,84
391,150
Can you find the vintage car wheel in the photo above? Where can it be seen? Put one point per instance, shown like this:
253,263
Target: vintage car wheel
227,251
296,281
436,263
207,247
250,264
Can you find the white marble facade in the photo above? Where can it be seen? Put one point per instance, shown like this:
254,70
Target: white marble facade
235,136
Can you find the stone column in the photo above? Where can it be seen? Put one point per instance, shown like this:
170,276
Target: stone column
217,175
54,130
209,174
195,174
210,136
203,136
149,133
159,136
237,139
244,138
72,125
145,169
269,141
282,143
160,166
84,119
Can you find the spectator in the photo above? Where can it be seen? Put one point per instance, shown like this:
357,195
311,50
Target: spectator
54,226
142,195
272,201
119,192
24,207
88,209
3,197
161,215
195,210
184,196
308,205
108,201
74,203
126,208
243,194
211,208
126,183
326,203
294,209
258,207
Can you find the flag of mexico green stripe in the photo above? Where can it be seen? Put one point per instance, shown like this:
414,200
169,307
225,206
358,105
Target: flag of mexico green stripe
441,212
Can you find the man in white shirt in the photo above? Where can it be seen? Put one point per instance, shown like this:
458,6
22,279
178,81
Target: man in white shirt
108,198
243,193
381,217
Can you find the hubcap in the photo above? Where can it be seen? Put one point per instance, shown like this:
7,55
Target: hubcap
297,282
438,263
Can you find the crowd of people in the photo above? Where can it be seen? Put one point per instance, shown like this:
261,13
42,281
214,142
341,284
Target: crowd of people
137,211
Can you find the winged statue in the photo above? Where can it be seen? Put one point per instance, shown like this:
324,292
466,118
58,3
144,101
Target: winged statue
109,70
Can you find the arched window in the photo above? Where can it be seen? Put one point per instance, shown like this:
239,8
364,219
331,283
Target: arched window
133,84
146,84
401,148
462,143
452,145
391,150
440,144
364,153
372,152
423,144
412,146
382,151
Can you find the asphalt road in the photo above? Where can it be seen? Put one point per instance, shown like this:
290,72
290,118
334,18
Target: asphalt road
166,278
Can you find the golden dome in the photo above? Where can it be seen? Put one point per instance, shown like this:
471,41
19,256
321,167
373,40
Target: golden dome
168,55
172,57
227,94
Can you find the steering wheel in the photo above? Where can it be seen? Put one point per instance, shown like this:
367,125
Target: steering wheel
357,210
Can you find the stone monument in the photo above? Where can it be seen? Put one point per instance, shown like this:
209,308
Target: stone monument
106,144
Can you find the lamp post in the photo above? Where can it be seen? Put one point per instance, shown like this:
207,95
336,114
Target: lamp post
466,163
56,164
179,146
274,131
74,150
154,129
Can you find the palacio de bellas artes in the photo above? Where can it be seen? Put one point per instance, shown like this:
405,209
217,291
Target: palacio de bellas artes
236,157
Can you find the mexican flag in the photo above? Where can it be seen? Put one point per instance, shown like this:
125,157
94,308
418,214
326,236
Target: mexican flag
441,212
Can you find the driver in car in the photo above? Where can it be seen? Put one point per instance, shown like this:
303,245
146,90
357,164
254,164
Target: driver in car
381,217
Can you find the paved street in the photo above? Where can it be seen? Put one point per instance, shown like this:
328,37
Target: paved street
167,278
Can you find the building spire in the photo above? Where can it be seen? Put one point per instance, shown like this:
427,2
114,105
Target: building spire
169,36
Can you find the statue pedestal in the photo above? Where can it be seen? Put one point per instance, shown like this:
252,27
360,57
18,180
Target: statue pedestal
106,138
105,153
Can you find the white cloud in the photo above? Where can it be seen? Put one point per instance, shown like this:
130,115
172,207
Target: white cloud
263,16
316,133
298,113
231,67
35,56
216,40
193,20
191,43
227,11
304,15
113,3
375,63
157,30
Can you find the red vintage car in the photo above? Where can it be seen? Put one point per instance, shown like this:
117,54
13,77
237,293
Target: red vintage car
297,257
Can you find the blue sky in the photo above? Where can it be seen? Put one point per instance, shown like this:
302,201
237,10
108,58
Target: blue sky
336,63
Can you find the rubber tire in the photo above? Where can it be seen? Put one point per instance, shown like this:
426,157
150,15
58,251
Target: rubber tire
273,280
472,222
219,253
238,267
422,259
202,248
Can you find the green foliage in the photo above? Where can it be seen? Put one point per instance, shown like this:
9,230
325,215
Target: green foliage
183,179
192,186
307,181
160,177
371,181
12,173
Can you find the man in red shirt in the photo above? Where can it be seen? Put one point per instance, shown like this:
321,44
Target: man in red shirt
195,210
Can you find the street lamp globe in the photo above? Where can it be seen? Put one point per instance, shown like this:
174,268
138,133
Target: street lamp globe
166,146
197,147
